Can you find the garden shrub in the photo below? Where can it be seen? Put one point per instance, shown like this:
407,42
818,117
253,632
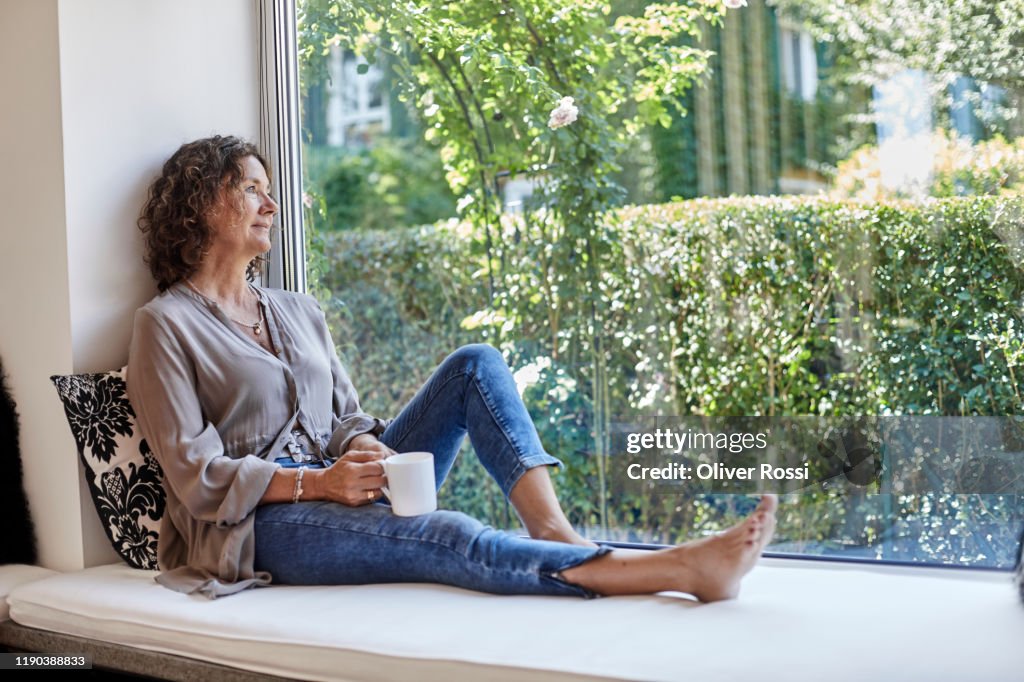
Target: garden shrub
746,306
398,182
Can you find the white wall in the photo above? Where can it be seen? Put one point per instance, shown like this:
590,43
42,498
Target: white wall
136,79
35,312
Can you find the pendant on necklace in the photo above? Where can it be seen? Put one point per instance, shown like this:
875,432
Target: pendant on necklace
257,328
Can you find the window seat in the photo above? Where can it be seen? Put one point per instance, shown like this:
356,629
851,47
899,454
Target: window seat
795,620
18,574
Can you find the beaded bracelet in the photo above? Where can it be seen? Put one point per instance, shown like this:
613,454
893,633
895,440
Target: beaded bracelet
298,485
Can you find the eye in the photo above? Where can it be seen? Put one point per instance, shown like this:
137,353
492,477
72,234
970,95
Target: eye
251,189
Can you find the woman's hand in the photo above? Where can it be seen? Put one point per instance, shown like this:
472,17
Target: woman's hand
367,442
356,478
353,480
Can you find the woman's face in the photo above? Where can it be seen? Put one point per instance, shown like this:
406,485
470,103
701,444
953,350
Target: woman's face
241,220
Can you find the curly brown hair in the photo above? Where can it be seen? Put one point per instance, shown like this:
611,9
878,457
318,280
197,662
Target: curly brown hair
173,218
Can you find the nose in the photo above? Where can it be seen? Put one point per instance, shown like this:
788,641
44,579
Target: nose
269,205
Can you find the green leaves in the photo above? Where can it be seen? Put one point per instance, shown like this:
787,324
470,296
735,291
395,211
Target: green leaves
479,58
709,307
740,306
980,39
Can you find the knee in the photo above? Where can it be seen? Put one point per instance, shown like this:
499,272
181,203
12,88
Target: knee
477,356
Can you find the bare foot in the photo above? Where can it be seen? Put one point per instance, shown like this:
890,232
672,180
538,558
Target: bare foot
713,567
709,569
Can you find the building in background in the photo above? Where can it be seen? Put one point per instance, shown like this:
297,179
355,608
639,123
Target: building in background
352,109
766,120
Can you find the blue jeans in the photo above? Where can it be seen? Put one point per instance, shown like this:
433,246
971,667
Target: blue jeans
326,543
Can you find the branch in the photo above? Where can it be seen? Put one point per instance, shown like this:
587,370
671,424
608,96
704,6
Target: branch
563,86
480,159
476,105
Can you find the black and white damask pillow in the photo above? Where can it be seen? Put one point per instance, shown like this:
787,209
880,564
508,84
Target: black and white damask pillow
124,477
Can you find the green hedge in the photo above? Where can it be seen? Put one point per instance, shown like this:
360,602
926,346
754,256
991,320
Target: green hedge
749,306
397,182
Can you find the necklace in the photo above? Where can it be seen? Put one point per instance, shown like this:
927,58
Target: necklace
257,326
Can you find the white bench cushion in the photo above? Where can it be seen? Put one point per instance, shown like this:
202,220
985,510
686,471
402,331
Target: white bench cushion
13,575
794,620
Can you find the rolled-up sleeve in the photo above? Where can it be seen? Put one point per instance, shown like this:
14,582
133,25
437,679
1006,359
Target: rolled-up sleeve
161,380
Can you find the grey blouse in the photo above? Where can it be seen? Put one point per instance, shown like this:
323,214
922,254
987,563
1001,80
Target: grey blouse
216,410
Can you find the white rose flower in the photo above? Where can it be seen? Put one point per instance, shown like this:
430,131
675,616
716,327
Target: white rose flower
734,4
564,114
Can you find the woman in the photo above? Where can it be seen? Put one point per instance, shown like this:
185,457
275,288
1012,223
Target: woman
236,387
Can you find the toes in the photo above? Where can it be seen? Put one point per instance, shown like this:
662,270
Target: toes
755,534
769,531
769,503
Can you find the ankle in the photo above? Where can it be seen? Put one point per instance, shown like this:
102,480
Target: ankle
560,533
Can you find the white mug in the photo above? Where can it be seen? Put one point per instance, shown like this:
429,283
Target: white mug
410,488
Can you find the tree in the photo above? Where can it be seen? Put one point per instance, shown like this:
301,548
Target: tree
980,39
492,81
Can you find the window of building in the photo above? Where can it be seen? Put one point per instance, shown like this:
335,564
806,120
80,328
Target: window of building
356,109
799,62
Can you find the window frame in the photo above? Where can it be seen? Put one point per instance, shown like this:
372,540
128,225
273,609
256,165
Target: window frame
280,138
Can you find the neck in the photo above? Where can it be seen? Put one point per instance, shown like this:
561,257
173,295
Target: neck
223,281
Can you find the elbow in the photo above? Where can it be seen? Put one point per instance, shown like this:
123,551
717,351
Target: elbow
206,498
218,490
214,510
251,477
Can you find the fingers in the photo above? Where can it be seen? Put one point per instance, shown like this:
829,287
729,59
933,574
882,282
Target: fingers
355,479
373,482
362,456
362,495
357,496
368,474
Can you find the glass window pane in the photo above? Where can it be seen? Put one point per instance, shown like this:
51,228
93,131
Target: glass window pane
796,234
